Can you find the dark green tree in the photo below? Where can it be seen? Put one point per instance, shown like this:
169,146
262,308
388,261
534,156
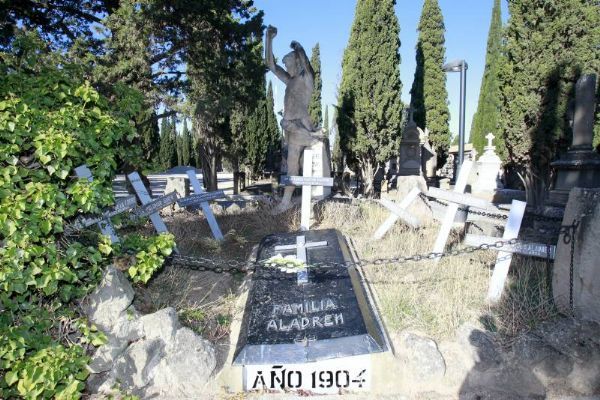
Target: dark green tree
549,45
370,109
429,97
186,148
314,107
174,142
168,144
273,131
336,155
487,116
326,119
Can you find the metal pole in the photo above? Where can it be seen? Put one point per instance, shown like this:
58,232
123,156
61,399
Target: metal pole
461,121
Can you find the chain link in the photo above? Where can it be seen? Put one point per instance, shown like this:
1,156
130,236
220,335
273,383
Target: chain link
236,266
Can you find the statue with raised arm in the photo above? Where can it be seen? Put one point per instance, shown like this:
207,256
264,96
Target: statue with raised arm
299,130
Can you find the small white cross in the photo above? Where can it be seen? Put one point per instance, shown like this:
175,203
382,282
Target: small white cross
489,137
301,247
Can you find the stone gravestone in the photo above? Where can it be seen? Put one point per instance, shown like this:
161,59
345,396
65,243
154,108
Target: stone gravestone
580,167
488,169
583,207
316,334
321,167
410,149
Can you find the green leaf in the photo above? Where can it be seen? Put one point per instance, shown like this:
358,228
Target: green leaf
11,377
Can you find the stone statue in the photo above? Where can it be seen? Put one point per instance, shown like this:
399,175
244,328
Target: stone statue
299,130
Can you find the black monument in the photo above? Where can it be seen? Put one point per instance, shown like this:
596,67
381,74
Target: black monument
319,313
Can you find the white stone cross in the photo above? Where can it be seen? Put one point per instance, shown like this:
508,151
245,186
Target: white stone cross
398,211
461,184
301,246
511,231
489,137
306,181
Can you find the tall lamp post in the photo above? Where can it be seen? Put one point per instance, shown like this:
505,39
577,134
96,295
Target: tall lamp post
460,66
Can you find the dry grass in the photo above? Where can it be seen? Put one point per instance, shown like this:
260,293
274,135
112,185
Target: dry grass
432,298
437,298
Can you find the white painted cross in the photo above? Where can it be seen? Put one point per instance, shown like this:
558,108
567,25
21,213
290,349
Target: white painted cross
306,181
105,226
142,194
511,231
490,138
398,211
210,217
461,184
301,246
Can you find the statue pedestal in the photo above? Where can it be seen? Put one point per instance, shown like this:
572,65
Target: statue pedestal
488,171
321,167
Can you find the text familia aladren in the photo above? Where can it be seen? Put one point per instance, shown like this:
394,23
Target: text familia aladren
285,316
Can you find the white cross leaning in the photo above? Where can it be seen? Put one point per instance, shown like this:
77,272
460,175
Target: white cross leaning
301,246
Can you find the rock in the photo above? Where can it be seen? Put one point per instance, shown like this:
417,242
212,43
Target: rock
134,370
186,368
111,298
181,186
161,324
420,355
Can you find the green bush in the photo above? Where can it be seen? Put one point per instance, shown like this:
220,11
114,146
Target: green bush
50,122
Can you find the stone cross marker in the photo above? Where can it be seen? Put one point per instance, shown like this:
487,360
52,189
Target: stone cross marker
306,181
301,246
198,195
398,212
490,138
142,193
461,183
105,226
511,231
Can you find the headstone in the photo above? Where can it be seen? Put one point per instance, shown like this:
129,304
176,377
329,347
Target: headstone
488,169
428,156
316,336
321,167
105,226
583,207
179,185
504,258
208,214
410,149
580,167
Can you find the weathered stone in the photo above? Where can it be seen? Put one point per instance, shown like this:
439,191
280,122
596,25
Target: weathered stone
162,324
106,354
583,206
186,368
420,356
135,368
179,185
111,298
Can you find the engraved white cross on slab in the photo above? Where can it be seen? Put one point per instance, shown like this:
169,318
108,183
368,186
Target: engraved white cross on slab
301,246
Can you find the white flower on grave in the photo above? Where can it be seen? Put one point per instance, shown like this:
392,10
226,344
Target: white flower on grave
289,264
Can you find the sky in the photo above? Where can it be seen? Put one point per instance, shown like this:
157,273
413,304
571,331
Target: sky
328,22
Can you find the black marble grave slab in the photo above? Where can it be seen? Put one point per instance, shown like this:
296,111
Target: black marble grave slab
331,316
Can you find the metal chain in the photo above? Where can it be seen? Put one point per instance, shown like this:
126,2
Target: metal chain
569,237
236,266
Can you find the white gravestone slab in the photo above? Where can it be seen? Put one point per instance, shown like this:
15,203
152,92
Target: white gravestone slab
398,211
320,168
461,183
105,226
525,248
142,194
301,246
511,231
210,217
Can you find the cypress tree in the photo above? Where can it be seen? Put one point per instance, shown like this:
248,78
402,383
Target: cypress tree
173,161
370,109
179,140
272,129
314,108
549,45
488,108
186,148
165,145
429,97
326,120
